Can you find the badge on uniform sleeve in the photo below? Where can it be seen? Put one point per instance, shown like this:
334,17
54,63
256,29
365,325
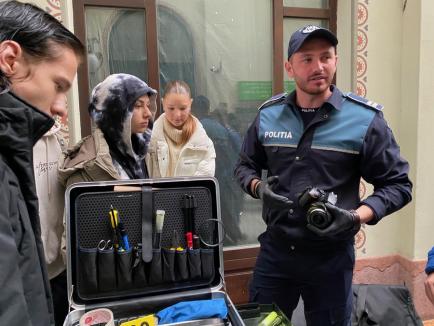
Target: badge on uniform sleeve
272,100
364,101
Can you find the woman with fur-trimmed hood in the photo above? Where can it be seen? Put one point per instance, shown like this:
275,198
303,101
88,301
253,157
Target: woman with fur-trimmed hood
122,108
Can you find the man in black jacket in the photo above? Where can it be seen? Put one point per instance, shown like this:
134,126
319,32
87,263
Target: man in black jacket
38,62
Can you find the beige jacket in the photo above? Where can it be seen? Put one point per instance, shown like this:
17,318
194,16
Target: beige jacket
88,160
197,156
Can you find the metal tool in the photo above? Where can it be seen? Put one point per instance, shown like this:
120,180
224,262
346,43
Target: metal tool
105,245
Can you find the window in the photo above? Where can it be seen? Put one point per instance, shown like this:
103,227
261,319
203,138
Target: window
176,48
112,48
120,37
289,26
320,4
290,15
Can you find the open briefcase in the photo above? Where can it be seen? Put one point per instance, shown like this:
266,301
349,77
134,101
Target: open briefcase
146,271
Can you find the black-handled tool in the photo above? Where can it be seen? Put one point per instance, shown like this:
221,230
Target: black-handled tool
189,204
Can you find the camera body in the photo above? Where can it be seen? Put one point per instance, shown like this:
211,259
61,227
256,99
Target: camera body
313,200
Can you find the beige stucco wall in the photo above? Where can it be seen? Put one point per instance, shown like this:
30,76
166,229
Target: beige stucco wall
346,46
424,226
400,70
384,86
408,122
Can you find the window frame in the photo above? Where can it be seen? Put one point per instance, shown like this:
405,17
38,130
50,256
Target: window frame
151,46
279,14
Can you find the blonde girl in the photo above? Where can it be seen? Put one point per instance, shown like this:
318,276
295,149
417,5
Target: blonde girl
179,144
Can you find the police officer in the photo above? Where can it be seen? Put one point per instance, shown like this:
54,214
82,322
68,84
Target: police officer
317,137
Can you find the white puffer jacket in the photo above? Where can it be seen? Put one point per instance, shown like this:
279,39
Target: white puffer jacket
197,156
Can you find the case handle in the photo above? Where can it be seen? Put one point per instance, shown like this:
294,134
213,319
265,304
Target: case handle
147,210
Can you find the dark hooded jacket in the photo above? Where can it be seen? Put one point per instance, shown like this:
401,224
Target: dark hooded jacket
25,293
111,152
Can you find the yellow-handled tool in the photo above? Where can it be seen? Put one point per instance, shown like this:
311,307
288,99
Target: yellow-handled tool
149,320
114,219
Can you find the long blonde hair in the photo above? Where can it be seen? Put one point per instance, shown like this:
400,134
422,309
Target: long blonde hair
181,87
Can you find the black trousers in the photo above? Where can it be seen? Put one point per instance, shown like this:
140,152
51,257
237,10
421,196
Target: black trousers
60,298
323,279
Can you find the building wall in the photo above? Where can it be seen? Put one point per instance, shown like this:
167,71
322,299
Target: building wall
399,75
424,227
380,44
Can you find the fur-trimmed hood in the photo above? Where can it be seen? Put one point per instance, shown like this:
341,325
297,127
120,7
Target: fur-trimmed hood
111,108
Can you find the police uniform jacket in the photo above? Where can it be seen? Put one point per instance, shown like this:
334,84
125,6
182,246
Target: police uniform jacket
347,139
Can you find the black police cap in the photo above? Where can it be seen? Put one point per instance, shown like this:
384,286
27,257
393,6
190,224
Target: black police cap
308,32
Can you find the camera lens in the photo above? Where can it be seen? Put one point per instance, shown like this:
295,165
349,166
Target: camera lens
318,216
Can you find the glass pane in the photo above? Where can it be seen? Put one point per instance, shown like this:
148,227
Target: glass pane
175,45
224,50
111,46
323,4
290,25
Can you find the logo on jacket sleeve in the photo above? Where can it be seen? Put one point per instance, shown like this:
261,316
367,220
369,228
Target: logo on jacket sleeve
277,135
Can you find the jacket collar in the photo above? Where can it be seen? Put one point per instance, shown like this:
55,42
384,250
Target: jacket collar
21,121
335,100
198,139
21,126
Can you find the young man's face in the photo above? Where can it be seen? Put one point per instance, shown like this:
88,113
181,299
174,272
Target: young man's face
44,84
313,66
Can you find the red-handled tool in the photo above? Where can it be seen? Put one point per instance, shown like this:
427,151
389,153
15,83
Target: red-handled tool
189,205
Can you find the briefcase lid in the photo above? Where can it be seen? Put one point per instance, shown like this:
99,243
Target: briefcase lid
87,206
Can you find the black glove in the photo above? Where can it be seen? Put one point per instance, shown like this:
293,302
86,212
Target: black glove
343,221
265,191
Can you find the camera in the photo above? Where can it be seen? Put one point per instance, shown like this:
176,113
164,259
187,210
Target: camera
314,199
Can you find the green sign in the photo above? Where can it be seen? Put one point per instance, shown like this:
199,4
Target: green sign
254,90
259,90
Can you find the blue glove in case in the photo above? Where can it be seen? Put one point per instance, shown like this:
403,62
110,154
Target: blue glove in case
143,280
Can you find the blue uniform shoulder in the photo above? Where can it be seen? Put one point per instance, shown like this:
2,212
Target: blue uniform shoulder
273,100
363,101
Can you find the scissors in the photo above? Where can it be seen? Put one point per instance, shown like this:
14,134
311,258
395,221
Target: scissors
105,245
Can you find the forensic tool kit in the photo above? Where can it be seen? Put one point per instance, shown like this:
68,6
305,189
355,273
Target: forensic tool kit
148,251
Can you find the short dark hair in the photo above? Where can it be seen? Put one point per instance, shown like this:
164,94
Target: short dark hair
36,31
200,106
